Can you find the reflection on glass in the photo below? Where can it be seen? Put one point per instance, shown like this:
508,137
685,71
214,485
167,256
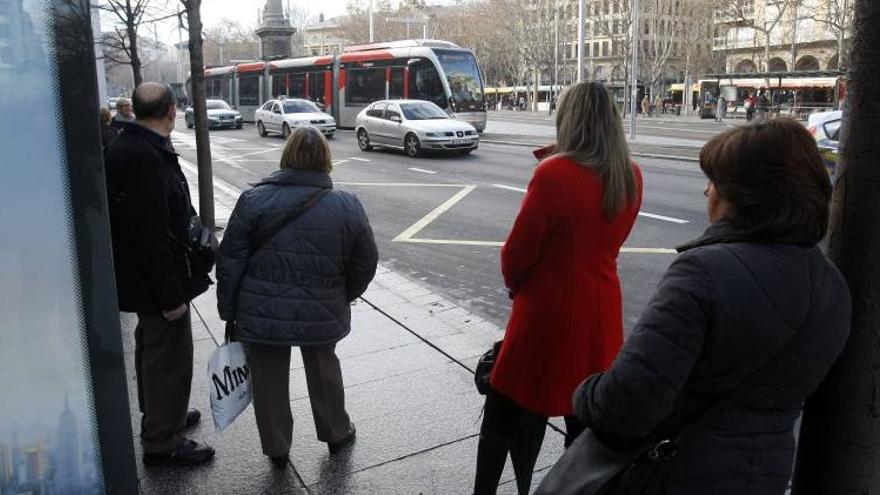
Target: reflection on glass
422,111
462,75
300,106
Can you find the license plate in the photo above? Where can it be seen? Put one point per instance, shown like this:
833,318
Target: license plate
459,141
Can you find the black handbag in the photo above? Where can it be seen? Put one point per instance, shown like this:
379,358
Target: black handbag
484,368
589,467
199,247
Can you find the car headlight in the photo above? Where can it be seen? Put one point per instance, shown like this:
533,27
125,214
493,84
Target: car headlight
301,122
434,134
238,117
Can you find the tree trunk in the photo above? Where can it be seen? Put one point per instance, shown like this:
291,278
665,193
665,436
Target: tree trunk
134,56
839,449
200,113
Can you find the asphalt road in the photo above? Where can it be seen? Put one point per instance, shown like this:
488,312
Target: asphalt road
441,219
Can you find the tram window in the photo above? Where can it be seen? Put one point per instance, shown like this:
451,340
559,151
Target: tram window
364,86
249,91
279,85
297,86
316,86
425,83
396,87
224,89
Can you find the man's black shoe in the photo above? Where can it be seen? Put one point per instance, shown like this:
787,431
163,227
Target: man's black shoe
193,416
281,461
349,439
187,453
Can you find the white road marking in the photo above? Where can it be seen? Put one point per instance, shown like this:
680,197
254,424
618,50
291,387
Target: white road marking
509,188
339,162
664,218
253,152
433,215
398,184
218,182
357,159
451,242
641,213
421,170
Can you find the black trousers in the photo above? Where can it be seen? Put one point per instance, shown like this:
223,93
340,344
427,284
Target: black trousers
508,428
163,358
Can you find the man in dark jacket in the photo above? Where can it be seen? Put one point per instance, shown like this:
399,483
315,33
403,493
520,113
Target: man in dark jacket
150,214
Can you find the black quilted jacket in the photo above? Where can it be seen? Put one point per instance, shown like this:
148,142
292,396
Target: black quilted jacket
297,289
722,310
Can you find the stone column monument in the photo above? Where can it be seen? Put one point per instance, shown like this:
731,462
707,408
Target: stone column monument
275,32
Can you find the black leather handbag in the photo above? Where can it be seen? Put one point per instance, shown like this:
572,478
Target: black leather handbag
484,368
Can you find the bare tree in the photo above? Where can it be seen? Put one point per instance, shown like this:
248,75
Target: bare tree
742,12
839,450
662,21
122,45
695,35
193,10
614,20
227,41
837,17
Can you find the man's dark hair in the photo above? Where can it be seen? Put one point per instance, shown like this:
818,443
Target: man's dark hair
773,176
152,100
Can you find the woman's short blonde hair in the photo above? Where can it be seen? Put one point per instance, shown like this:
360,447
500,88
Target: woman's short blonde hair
105,115
307,149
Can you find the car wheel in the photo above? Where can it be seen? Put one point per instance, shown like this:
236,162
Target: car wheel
411,145
285,131
364,140
238,126
329,136
261,129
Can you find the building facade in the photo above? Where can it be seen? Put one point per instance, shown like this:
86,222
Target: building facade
323,37
801,34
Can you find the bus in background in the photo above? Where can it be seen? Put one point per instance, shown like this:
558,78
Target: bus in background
344,84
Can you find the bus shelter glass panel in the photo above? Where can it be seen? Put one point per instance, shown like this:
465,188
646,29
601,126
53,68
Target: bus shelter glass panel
364,86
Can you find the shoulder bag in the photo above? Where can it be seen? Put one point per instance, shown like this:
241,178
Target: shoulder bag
589,467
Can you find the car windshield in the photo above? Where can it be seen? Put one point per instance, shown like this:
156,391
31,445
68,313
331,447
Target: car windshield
300,106
422,111
462,75
217,105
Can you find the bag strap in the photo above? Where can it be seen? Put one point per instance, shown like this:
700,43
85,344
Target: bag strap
276,225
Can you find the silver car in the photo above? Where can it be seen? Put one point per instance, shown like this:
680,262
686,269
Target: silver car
220,115
413,126
284,114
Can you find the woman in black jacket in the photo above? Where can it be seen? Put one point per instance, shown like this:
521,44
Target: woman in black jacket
294,288
753,293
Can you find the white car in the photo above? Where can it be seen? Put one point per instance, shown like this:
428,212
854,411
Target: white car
285,114
413,126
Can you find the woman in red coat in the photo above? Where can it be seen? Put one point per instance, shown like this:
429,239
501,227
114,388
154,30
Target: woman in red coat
560,265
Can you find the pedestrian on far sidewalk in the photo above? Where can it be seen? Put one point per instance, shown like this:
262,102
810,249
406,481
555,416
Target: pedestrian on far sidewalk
124,113
720,109
658,104
745,324
751,104
151,217
646,106
560,266
295,255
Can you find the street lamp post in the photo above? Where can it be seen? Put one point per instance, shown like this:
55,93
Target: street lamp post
580,51
371,20
634,81
555,48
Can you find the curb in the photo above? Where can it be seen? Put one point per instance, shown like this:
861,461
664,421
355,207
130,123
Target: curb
634,153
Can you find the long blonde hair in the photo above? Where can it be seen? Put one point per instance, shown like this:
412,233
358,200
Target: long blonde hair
589,131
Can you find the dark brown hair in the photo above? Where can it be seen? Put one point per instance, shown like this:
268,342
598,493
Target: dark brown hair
589,131
773,176
307,149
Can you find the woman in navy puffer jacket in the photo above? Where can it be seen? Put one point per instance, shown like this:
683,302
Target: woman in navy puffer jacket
296,289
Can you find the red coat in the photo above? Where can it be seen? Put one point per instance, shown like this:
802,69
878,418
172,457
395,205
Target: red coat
560,261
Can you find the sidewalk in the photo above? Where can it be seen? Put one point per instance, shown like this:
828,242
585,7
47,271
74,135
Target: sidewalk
407,367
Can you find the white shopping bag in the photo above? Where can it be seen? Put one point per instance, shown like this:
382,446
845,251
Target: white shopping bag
229,379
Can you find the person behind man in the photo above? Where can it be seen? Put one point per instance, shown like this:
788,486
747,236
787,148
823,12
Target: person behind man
107,133
150,215
124,113
319,256
745,324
